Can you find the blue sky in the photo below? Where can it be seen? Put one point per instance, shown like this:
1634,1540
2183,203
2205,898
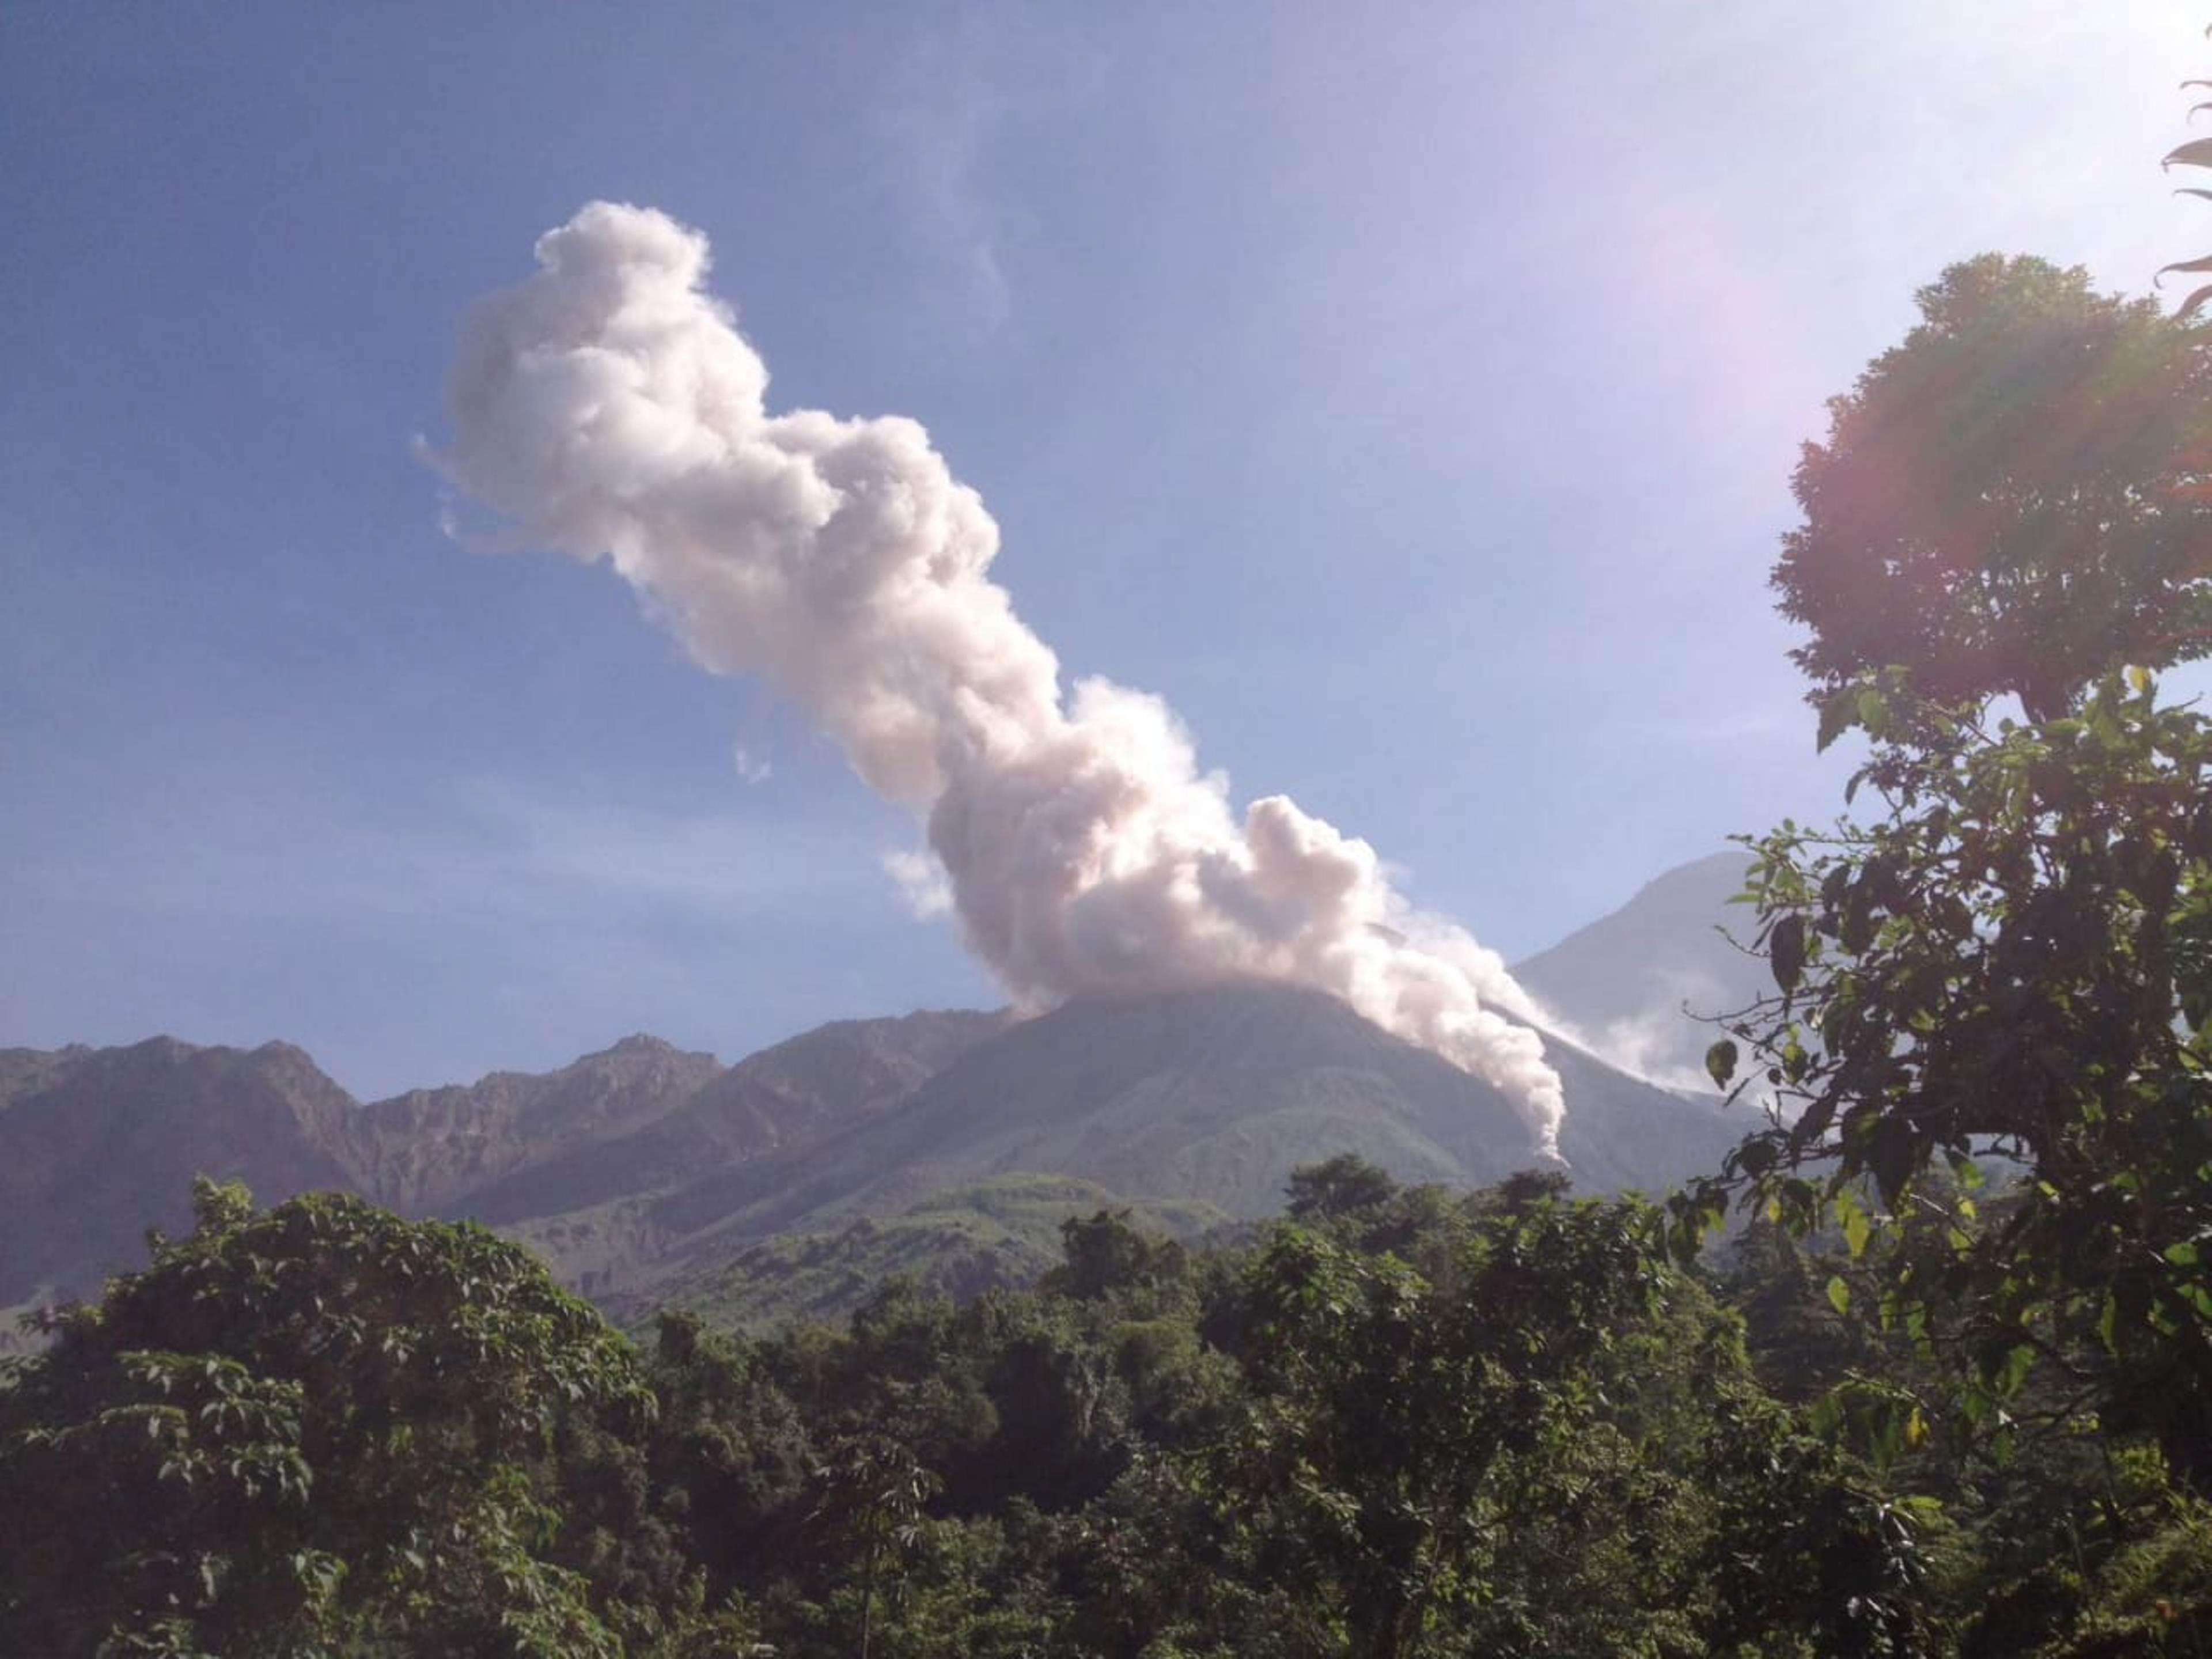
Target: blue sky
1407,393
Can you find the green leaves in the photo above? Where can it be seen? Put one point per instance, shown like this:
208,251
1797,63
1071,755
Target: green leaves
2014,956
1947,536
1785,950
1721,1061
1840,712
1858,1228
323,1383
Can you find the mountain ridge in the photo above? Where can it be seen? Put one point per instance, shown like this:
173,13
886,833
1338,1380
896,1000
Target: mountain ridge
641,1165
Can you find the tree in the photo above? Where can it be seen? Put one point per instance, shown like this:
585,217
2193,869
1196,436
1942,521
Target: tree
2017,960
875,1495
1551,1444
320,1428
1105,1252
2014,500
1339,1186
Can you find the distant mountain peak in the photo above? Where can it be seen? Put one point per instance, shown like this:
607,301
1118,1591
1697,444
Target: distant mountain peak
1633,984
290,1054
1699,876
163,1047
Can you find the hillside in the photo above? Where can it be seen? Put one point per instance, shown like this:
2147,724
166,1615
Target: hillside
95,1144
1633,983
98,1145
1212,1096
999,1234
643,1167
783,1097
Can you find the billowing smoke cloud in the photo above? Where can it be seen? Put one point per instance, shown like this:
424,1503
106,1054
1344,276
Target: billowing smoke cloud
609,406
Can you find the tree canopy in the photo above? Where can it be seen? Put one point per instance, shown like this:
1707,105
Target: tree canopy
1426,1425
1987,1058
2013,966
2014,500
315,1428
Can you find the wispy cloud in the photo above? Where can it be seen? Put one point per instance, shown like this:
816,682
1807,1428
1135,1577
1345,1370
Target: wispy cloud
969,82
935,127
751,766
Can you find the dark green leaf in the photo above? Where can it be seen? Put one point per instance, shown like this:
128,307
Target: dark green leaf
1720,1061
1785,950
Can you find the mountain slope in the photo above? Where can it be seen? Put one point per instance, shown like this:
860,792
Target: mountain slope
1623,982
98,1145
1213,1096
1003,1232
426,1151
783,1097
642,1166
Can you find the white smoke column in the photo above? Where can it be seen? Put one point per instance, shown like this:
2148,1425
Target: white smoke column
609,406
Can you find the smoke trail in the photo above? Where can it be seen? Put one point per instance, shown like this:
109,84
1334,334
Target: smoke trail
610,407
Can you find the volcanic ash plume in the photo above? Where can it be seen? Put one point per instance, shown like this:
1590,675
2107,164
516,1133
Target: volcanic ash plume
610,407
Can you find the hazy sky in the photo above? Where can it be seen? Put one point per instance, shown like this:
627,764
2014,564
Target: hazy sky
1408,394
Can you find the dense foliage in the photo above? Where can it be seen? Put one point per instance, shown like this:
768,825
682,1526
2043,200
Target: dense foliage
1404,1423
1985,1059
2015,963
318,1430
2012,500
